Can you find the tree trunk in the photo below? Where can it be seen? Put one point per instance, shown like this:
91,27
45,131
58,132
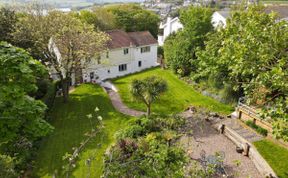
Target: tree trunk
65,89
148,110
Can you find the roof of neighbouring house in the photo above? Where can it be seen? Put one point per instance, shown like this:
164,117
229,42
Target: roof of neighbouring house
225,13
121,39
163,25
282,11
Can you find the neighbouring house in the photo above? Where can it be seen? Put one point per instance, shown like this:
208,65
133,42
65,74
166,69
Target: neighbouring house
171,26
128,52
219,18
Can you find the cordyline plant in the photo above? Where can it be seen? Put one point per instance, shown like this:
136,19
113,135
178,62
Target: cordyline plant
148,90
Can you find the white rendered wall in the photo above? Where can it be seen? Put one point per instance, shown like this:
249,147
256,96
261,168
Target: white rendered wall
218,20
116,58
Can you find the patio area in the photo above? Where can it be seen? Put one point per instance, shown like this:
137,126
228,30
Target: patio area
205,145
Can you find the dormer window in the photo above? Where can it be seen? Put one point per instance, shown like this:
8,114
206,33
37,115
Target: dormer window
126,51
145,49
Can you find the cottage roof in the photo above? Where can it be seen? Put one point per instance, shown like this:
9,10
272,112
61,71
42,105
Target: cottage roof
142,38
122,39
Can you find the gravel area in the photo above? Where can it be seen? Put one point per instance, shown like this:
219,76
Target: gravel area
204,137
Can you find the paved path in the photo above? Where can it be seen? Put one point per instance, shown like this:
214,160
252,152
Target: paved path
117,102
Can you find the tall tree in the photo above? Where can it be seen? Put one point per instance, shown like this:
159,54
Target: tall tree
197,23
8,21
251,55
100,18
21,116
131,17
77,44
60,41
148,90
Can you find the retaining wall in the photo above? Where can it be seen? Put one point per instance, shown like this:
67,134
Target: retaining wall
262,166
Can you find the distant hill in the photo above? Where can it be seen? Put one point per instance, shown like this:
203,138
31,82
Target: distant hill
67,3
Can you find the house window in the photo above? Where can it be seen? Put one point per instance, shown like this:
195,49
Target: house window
122,67
145,49
126,51
107,54
139,63
91,75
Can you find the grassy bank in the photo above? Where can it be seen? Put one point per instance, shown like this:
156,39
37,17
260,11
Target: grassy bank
178,97
71,124
275,155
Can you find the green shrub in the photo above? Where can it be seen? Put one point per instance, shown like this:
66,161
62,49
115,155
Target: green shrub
133,131
144,143
229,95
262,131
257,128
49,97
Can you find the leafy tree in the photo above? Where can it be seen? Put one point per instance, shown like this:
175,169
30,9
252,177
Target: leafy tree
180,49
77,43
21,116
250,54
131,17
100,18
8,21
148,90
61,41
7,167
177,53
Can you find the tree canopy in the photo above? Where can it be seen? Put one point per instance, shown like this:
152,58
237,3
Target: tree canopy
180,48
250,54
21,116
8,21
129,17
61,41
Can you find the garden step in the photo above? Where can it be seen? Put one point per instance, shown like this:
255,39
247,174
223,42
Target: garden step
246,133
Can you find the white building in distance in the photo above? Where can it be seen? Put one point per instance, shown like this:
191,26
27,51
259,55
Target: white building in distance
219,18
171,26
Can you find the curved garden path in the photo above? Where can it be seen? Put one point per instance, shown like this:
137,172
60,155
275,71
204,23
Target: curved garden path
117,102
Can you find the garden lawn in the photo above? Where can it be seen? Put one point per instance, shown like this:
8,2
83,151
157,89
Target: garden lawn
178,97
71,124
275,155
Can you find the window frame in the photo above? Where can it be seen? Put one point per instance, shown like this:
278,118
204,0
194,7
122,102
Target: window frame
145,49
126,51
122,67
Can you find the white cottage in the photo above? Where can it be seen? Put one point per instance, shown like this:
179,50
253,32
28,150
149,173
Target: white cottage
171,26
128,53
219,18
